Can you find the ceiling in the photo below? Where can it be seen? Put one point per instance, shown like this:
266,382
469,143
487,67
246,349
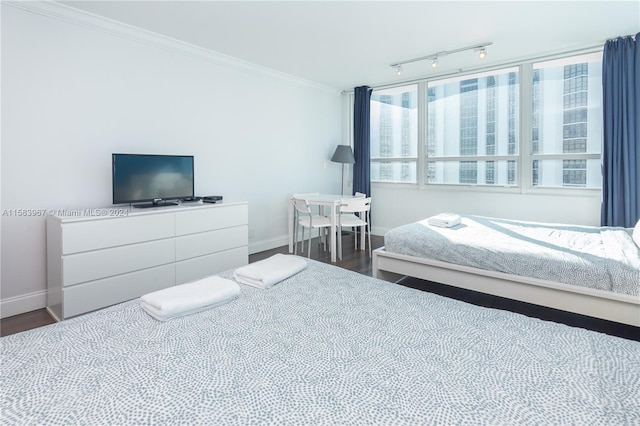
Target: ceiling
343,44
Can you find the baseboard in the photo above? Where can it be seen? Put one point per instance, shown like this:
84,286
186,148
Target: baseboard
263,245
376,230
23,303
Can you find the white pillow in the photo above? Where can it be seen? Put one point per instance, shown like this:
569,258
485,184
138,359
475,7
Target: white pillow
636,234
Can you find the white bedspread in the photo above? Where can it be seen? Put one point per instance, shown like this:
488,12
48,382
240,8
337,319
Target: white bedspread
326,347
601,258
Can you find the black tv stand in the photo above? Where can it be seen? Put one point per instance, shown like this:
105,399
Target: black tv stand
158,203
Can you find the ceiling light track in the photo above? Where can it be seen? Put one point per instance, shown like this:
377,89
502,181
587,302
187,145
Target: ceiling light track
480,47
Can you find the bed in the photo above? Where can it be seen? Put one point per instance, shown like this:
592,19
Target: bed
593,271
326,346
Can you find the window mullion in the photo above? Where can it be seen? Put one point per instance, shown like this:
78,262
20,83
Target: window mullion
422,134
526,126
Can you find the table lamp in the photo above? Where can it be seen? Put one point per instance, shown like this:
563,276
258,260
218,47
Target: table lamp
343,155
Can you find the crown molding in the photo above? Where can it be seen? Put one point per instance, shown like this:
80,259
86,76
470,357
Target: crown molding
71,15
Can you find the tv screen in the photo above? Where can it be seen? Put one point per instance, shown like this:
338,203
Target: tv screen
138,178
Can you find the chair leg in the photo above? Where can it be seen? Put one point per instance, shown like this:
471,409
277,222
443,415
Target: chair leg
309,254
295,238
325,235
369,232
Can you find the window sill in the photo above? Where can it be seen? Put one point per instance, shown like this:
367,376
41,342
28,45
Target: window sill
565,192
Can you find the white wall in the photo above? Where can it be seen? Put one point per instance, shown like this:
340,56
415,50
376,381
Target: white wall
396,205
73,94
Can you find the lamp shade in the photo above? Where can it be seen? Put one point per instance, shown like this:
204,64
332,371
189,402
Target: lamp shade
344,155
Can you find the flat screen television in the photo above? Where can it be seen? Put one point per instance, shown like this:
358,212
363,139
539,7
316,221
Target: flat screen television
153,180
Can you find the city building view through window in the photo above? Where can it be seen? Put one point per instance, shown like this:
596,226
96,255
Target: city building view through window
472,128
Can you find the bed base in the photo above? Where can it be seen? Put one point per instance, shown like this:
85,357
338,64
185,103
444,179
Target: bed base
616,307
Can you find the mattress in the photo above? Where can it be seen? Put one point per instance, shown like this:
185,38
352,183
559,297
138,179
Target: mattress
603,258
326,346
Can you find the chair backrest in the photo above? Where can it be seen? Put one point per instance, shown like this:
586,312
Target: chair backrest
302,206
304,195
355,205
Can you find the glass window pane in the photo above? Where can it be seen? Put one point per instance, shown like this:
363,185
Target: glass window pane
394,122
567,173
473,172
394,134
395,171
567,105
473,115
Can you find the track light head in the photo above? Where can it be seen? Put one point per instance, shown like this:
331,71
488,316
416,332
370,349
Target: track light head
399,70
434,63
483,53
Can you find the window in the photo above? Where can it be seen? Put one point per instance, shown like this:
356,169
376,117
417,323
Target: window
566,143
471,131
473,117
394,134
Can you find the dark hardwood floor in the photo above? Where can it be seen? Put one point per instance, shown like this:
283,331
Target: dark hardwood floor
359,261
355,260
26,321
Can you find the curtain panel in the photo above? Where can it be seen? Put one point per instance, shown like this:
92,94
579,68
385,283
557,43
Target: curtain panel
362,140
621,128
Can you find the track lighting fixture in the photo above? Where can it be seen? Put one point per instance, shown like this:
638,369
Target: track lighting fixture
481,48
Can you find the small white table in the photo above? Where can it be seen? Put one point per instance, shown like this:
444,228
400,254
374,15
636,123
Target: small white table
324,200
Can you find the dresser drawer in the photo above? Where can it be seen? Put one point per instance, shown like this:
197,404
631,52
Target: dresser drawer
95,265
112,232
209,219
98,294
195,245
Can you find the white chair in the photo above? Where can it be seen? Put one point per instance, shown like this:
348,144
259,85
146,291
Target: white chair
356,215
306,219
304,195
352,216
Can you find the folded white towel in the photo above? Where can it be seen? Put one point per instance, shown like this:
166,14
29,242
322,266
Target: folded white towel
265,273
444,220
189,298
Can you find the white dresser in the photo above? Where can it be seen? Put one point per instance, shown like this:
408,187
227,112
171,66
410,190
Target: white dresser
100,257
